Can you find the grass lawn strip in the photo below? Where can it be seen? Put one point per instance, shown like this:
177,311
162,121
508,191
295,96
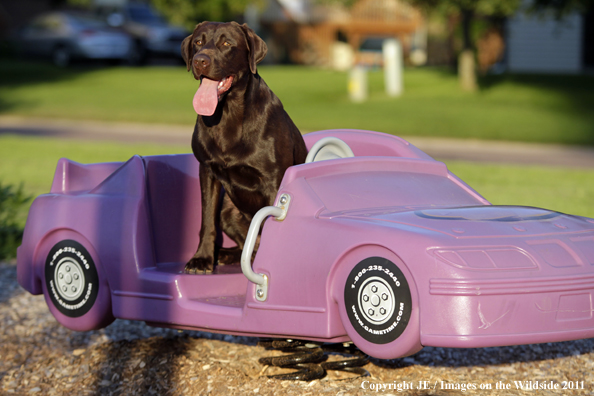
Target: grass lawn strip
548,109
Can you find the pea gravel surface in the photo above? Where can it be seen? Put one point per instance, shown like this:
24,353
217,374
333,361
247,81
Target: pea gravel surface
40,357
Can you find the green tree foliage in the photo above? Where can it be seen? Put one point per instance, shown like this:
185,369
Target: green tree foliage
468,11
12,202
190,12
76,3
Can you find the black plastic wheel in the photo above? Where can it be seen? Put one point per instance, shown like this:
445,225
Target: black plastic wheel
61,56
377,300
138,55
71,278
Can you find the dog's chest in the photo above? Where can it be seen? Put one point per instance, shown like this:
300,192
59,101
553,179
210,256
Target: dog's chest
217,154
229,163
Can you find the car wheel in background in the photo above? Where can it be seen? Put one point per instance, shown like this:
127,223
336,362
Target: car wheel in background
73,288
61,56
138,55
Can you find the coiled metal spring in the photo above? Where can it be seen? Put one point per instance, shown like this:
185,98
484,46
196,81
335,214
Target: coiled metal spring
310,359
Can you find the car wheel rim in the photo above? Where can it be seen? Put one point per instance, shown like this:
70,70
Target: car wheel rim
61,57
70,279
376,300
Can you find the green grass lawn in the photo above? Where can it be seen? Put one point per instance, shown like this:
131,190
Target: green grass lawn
565,190
32,161
525,108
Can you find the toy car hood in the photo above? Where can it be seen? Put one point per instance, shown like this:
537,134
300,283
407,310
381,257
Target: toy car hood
473,222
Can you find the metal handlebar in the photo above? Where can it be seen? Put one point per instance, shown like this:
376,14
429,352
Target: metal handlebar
261,280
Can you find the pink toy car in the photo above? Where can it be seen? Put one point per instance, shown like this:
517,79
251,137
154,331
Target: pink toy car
385,248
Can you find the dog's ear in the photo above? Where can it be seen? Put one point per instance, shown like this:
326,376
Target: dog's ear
257,47
186,51
187,47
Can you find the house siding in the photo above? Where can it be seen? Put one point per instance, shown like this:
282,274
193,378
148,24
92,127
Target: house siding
544,45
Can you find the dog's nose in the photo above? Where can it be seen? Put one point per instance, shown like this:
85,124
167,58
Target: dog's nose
202,61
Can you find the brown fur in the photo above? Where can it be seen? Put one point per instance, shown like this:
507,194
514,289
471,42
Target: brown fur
245,147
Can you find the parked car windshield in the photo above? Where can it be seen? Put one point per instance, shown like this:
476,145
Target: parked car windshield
86,22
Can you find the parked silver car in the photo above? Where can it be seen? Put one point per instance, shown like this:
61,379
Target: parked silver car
153,36
64,36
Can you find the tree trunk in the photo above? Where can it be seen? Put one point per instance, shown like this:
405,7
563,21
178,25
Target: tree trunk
466,61
467,71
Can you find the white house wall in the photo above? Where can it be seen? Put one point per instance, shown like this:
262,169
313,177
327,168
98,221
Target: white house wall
544,45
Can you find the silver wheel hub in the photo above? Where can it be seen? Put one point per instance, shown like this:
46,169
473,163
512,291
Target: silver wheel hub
376,300
70,279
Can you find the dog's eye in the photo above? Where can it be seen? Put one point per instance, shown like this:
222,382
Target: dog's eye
227,44
198,42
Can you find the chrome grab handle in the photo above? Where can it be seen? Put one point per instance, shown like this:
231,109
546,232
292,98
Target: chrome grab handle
261,280
329,148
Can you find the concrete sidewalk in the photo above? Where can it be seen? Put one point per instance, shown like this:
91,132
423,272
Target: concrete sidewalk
439,148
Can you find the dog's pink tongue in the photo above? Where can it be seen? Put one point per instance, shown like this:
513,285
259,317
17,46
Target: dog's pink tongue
206,98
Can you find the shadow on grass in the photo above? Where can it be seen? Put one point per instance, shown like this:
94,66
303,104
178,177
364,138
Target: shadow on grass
17,72
577,89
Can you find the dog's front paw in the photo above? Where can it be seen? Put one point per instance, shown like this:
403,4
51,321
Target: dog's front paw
199,265
229,256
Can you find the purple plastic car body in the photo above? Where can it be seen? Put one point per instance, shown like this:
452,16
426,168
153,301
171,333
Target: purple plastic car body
387,249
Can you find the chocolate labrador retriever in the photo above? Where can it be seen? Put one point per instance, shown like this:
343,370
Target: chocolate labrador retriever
243,138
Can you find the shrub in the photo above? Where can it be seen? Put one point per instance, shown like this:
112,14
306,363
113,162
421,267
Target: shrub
12,202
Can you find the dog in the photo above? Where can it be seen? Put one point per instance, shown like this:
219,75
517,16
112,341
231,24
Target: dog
243,138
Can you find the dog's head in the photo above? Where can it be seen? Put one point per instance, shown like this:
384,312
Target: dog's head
219,55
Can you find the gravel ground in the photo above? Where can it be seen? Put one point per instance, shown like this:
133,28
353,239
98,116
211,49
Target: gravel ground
38,356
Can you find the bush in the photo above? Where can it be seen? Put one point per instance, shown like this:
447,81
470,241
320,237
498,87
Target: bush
12,203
